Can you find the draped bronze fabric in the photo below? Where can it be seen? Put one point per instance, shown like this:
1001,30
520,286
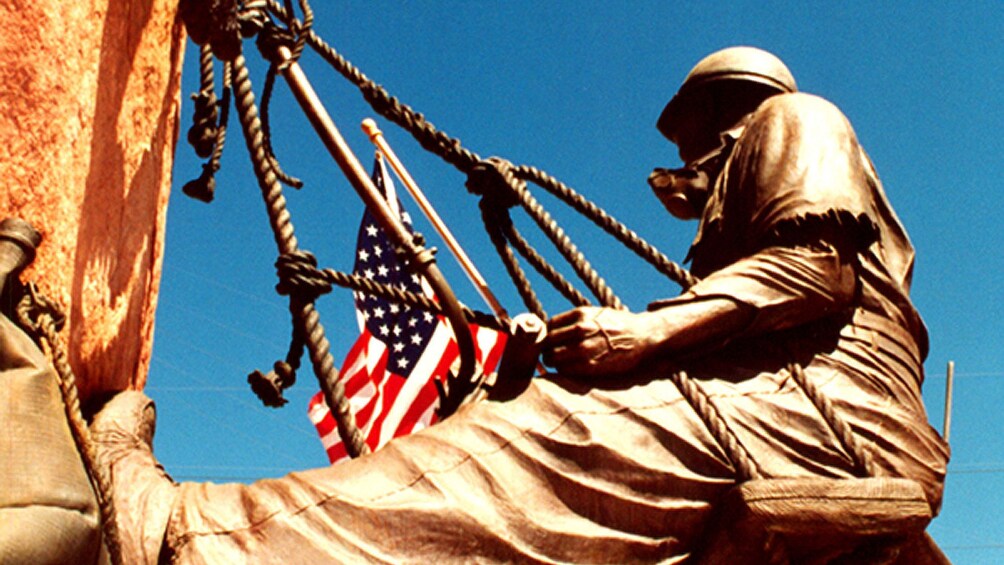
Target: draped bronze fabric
48,511
623,469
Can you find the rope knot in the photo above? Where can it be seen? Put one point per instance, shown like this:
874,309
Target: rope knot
268,387
214,22
299,276
204,187
495,180
252,17
294,37
271,38
202,135
34,306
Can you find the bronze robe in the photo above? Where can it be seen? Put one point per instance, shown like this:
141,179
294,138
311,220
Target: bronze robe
621,470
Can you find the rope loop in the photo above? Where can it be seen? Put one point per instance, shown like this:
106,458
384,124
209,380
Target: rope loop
300,28
299,276
495,180
33,306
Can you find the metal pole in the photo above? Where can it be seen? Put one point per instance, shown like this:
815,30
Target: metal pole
376,136
949,384
421,259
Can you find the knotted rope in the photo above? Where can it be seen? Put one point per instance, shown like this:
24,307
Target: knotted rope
306,320
299,276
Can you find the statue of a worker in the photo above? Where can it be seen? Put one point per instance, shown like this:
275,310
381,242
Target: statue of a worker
802,262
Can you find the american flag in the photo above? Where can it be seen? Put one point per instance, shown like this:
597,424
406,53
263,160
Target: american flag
389,372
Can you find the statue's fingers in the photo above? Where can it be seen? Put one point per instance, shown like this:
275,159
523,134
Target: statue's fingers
565,319
572,333
562,357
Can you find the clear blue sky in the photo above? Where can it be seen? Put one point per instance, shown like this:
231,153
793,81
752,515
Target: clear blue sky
575,88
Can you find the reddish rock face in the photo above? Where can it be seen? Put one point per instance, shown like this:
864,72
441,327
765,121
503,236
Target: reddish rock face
89,99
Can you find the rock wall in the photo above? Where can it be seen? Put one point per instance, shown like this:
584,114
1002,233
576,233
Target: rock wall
89,103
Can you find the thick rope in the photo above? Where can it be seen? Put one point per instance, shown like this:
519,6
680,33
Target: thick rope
496,183
299,276
863,462
221,129
207,130
563,243
746,467
559,282
447,148
300,28
41,317
492,221
266,129
305,315
601,218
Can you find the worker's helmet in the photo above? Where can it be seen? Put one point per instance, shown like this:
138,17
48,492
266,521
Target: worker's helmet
732,64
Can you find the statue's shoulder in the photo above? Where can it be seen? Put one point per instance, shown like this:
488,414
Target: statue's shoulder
799,109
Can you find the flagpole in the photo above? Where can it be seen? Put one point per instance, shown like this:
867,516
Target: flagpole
946,430
376,136
466,378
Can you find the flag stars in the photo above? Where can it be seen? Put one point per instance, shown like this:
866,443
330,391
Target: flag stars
371,230
416,339
364,255
397,330
378,312
394,308
428,316
383,271
384,330
402,363
398,347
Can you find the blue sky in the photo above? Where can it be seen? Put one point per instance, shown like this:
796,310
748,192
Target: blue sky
575,88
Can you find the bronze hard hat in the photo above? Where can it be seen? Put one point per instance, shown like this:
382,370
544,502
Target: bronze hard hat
734,63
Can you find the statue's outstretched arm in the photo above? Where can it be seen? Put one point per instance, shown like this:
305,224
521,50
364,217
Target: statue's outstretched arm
777,288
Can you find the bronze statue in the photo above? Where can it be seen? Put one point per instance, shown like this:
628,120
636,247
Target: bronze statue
805,269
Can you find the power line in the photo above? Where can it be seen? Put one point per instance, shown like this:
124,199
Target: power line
236,431
976,470
973,374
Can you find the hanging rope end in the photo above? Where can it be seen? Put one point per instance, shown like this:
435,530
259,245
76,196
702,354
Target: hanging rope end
269,387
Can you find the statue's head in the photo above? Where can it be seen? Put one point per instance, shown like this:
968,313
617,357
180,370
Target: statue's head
718,92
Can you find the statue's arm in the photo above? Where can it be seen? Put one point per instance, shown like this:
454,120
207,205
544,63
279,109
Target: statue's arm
774,289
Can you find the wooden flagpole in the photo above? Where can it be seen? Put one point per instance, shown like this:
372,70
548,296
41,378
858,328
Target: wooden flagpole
376,136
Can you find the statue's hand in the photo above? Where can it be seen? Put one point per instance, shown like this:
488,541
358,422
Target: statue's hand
593,341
